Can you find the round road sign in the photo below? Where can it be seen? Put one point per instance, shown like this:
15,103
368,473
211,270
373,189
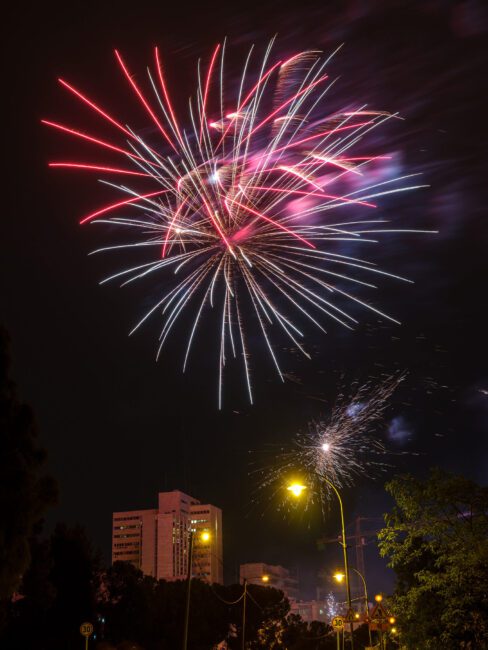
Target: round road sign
86,629
337,622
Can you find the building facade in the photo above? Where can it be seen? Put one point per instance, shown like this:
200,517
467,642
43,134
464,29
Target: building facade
259,573
311,610
157,541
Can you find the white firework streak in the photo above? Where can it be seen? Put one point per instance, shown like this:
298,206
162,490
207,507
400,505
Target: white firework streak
236,213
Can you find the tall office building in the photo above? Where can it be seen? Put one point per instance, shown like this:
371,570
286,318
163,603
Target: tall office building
157,541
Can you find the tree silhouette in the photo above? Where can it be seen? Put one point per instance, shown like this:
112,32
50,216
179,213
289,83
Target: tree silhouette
25,491
58,592
436,540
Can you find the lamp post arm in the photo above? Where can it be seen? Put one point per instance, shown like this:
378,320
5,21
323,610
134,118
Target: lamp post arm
366,601
344,542
244,615
364,585
344,548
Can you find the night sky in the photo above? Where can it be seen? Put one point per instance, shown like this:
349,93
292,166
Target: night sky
117,426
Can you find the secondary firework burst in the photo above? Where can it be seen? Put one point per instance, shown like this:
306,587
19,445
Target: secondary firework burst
231,208
340,446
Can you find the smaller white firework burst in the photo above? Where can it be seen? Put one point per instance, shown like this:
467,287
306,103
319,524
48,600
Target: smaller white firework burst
338,448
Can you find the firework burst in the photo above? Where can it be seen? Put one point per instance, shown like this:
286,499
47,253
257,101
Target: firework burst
339,447
231,210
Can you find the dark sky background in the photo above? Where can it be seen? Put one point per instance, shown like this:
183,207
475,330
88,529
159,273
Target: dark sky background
117,426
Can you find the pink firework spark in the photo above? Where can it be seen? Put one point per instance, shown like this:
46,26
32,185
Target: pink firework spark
237,216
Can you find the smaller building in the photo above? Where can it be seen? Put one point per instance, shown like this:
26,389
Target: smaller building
325,609
269,575
311,610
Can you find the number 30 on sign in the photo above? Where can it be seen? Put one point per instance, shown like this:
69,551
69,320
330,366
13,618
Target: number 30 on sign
337,622
86,629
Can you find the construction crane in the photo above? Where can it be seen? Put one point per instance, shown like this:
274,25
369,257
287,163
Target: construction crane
359,537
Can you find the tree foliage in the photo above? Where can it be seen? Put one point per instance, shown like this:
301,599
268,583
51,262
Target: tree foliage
25,492
141,609
293,633
58,592
436,539
266,607
65,586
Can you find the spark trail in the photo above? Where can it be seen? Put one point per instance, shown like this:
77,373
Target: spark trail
231,205
342,445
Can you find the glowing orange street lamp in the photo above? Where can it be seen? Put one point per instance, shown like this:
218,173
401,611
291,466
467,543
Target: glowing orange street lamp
339,576
205,537
296,489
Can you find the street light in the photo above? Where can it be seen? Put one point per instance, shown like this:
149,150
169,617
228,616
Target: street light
296,489
378,599
205,537
340,577
265,578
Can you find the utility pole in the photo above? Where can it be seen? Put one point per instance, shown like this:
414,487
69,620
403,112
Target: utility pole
188,590
359,548
244,603
359,538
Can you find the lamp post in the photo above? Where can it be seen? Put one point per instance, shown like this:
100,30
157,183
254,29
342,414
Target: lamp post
188,586
244,603
339,577
204,537
378,599
296,489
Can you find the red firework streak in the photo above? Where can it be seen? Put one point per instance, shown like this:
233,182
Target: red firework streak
174,126
228,198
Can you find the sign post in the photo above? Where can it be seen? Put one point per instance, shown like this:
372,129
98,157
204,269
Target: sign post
379,621
338,625
86,630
